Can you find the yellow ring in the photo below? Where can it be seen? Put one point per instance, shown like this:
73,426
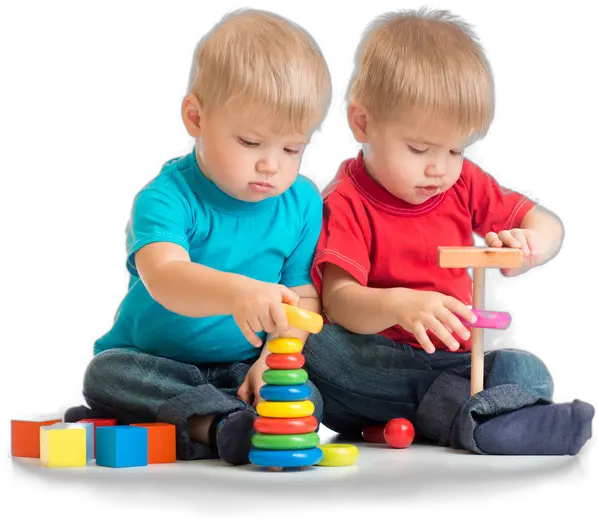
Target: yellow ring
285,409
338,455
303,319
285,346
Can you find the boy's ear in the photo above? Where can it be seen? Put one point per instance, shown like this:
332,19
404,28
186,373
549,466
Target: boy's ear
358,122
191,111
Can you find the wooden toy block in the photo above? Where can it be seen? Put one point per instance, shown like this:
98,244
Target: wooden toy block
162,447
25,436
121,446
63,445
98,422
461,257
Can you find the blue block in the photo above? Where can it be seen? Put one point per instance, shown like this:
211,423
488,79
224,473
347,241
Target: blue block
121,446
89,440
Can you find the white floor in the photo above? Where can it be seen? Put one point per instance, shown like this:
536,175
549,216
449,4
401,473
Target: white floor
424,481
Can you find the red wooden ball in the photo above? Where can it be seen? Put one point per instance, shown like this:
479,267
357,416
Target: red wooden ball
399,433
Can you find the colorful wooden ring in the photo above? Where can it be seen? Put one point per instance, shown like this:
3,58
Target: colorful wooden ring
303,319
286,425
285,393
285,376
285,441
285,458
285,345
489,319
285,409
338,455
285,361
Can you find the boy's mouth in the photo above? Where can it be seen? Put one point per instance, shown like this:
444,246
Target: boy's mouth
428,189
261,187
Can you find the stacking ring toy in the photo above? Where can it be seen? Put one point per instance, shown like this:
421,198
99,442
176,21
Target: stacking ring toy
303,319
285,361
285,458
285,376
286,425
338,455
285,345
285,441
285,409
285,393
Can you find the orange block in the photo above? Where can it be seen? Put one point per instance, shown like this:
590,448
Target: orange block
25,437
162,446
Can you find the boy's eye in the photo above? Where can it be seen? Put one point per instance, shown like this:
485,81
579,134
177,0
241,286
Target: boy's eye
247,143
416,151
291,151
456,152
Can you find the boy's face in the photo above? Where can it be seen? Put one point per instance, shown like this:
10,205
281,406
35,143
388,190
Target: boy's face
412,165
247,160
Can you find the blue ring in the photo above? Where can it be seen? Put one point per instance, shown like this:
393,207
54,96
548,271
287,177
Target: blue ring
286,458
285,393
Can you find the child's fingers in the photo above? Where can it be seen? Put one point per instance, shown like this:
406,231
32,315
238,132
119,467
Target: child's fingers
423,339
520,237
442,334
458,308
279,317
244,391
453,324
508,239
249,334
288,296
493,241
266,321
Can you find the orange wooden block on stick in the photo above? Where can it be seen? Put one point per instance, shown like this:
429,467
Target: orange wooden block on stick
478,259
25,436
162,447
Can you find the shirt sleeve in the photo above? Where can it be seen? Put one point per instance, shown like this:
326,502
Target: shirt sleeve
160,213
493,207
296,268
342,242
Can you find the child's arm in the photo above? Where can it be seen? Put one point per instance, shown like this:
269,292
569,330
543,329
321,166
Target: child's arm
507,218
357,308
184,287
540,237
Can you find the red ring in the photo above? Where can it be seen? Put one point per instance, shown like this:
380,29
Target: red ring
285,361
301,425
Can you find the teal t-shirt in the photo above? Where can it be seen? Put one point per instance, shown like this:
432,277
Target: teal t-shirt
272,240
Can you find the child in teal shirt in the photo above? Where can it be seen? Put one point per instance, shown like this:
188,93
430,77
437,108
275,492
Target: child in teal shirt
217,242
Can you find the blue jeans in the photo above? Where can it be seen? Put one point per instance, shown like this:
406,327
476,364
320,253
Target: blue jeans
136,387
369,379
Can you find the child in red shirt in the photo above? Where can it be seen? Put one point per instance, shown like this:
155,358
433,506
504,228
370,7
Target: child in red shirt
394,345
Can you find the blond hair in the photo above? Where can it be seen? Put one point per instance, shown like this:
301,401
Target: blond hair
266,66
424,65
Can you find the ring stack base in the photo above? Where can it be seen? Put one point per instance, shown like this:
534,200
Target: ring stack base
285,428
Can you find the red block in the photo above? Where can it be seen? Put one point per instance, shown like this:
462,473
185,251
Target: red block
162,442
25,437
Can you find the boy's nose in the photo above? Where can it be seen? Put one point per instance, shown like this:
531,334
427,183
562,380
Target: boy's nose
436,169
267,165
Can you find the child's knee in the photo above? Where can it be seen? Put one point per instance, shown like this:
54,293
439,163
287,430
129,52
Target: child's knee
523,368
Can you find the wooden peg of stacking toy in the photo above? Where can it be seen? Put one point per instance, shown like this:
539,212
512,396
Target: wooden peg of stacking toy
286,428
479,259
64,444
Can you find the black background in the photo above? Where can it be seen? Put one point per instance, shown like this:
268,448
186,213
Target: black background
100,108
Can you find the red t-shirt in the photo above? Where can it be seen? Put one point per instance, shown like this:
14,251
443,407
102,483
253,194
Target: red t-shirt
384,242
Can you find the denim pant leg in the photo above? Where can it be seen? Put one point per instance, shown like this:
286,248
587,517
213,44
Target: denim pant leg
364,379
136,387
513,379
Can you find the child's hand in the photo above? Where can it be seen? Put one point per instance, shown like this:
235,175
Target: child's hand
523,239
257,307
253,382
419,311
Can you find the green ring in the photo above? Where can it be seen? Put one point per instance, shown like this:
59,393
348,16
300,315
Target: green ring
285,441
285,376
